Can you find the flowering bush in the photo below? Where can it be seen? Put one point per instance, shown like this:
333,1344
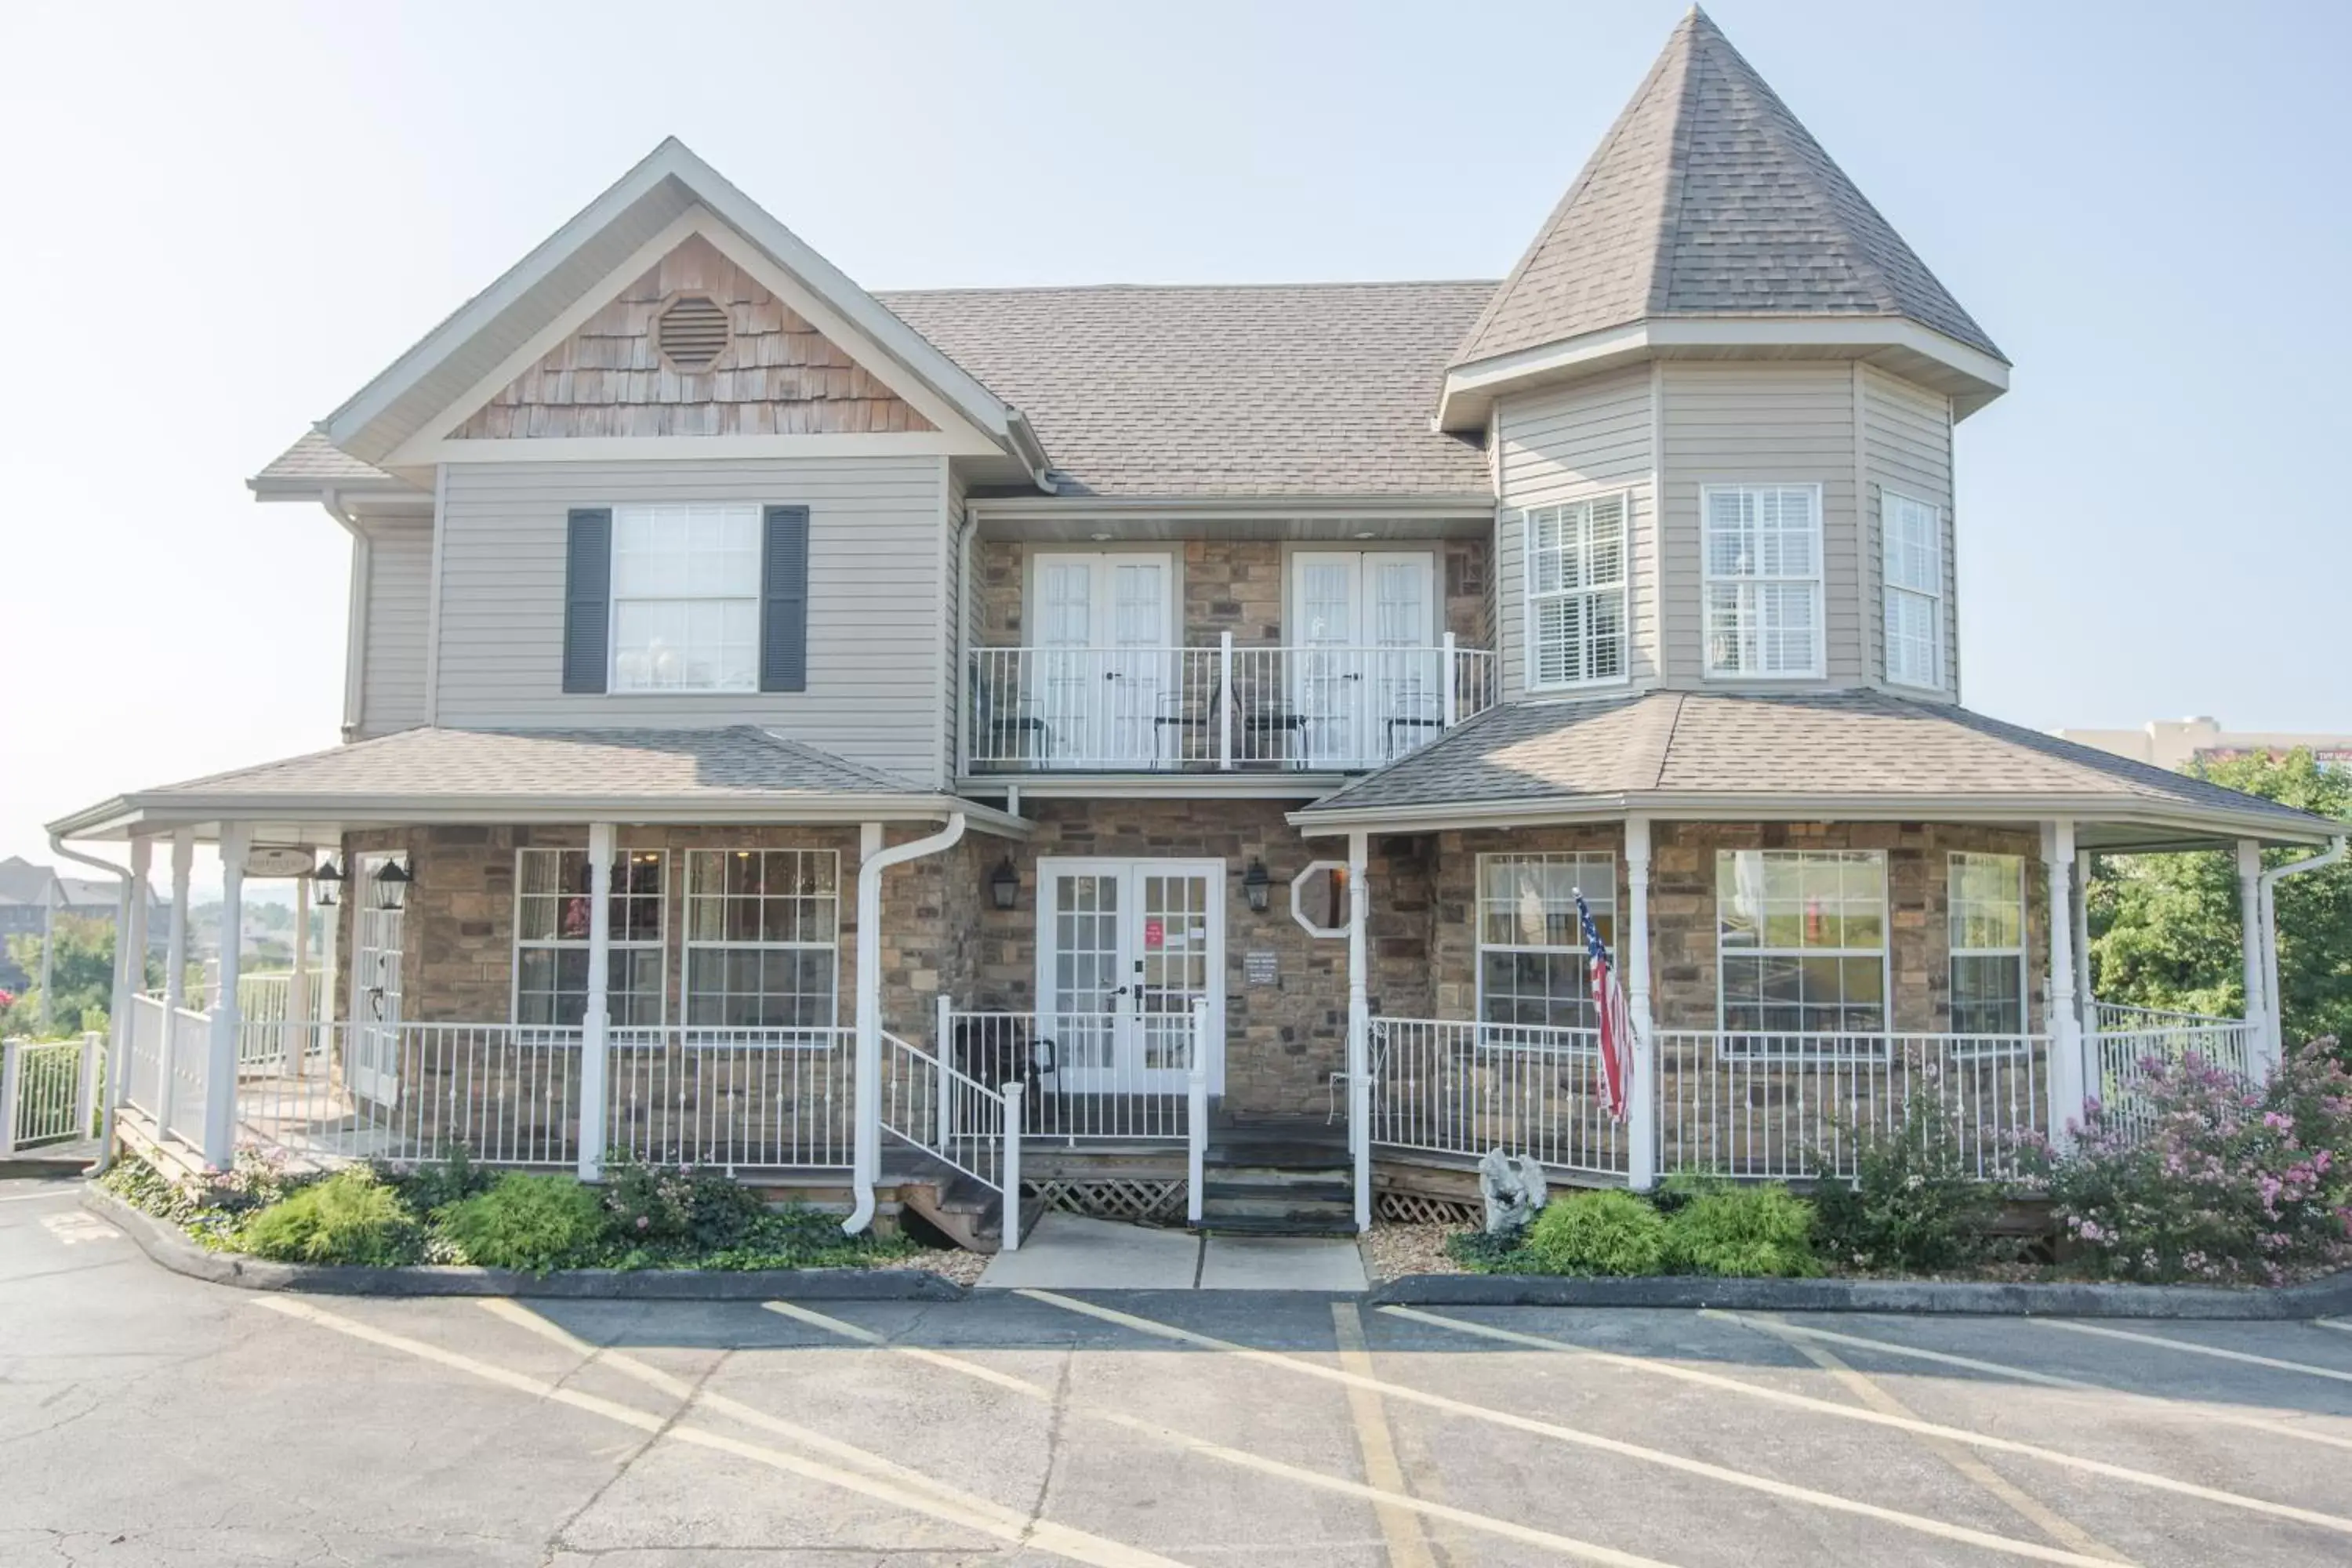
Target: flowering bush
2204,1179
1914,1204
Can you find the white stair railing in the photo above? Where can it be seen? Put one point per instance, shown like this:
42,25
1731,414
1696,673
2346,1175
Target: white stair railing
1196,1115
970,1132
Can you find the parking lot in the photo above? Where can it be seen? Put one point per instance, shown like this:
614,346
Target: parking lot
146,1418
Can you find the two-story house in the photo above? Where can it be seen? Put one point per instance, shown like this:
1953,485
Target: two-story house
779,716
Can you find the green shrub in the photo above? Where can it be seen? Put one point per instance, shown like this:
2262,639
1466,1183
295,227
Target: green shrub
1741,1231
350,1217
1604,1232
531,1223
1913,1203
437,1184
664,1210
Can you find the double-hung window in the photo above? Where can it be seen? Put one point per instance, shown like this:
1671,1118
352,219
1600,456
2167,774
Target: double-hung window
1763,588
1912,535
1532,968
1986,904
686,597
1800,946
1576,592
762,937
551,906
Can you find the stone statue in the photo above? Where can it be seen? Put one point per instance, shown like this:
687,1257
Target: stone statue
1513,1187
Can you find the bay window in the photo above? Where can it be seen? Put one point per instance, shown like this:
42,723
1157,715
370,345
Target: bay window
1532,967
762,937
1800,946
1987,921
1576,592
552,905
686,597
1912,539
1763,579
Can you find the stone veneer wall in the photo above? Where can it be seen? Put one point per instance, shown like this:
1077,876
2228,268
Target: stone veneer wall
1237,585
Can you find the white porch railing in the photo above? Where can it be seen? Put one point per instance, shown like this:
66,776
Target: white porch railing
1461,1087
1081,1089
2128,1038
48,1090
1221,708
952,1116
265,1008
144,1081
1744,1103
190,1060
771,1099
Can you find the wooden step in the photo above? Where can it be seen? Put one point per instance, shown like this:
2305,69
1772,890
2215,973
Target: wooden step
1316,1224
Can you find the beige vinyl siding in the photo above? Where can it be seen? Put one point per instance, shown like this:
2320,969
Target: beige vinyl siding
1758,423
396,608
954,632
1907,446
1562,445
875,599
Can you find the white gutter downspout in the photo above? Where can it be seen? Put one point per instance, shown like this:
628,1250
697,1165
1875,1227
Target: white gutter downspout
867,1140
118,1038
355,622
2274,1006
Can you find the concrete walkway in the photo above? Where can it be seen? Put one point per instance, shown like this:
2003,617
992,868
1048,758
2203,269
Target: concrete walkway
1069,1252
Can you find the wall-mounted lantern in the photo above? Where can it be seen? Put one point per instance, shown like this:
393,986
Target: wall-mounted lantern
1004,885
392,884
1256,884
326,883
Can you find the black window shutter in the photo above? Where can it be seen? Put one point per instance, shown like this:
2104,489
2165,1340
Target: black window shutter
784,600
587,598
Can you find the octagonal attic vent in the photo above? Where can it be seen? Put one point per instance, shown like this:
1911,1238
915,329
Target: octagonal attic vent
691,331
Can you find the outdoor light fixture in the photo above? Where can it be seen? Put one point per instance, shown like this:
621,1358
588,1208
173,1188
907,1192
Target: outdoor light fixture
1003,884
1255,884
325,881
392,885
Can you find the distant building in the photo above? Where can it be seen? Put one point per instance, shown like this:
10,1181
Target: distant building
2176,742
26,894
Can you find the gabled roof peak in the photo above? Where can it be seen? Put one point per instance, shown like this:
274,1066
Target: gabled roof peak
1708,198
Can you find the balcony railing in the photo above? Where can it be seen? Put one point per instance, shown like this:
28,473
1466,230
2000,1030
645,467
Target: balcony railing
1218,708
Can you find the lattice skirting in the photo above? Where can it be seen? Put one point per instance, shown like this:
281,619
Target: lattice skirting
1412,1209
1118,1197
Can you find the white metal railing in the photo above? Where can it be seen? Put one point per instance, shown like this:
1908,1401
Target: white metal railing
1221,707
1773,1105
1462,1087
144,1082
738,1098
1196,1117
410,1091
48,1090
2120,1059
955,1118
1084,1086
191,1061
265,1011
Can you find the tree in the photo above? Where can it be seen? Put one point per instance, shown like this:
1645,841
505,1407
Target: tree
2165,928
82,971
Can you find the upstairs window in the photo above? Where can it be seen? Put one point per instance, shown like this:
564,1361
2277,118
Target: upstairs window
1576,593
1763,579
686,597
1913,541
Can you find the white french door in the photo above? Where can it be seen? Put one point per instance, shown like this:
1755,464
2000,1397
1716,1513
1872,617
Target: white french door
1124,949
1365,671
1107,663
372,1061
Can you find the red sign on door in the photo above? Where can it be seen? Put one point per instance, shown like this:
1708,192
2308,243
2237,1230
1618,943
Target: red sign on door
1155,934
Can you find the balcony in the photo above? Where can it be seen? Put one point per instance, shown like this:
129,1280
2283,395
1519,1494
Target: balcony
1216,708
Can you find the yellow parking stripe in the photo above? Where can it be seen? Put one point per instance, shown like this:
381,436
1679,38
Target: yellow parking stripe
1508,1530
1928,1428
2193,1347
2200,1410
1742,1479
931,1499
1408,1548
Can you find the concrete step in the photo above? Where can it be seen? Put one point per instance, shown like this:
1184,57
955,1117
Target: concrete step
1316,1224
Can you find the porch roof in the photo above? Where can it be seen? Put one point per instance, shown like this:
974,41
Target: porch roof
738,773
1812,757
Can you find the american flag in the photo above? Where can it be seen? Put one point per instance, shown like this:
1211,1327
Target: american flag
1608,1002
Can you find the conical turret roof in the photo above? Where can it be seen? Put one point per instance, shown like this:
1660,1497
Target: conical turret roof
1708,198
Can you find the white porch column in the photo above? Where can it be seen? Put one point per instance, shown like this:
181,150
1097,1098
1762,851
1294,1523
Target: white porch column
865,1097
220,1071
1359,1023
2250,941
134,937
1634,949
175,974
298,989
595,1056
2068,1080
2086,1010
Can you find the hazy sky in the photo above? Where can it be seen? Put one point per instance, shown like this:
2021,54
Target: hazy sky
222,219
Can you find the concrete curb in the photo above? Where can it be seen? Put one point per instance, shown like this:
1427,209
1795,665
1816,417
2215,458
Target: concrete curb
169,1246
2317,1297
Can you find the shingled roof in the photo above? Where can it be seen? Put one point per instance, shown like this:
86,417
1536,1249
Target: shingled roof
1708,198
1841,751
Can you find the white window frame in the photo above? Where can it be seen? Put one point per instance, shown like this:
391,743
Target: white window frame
780,1036
1710,580
616,598
1858,1045
1525,1037
1580,514
659,945
1893,590
1980,1045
